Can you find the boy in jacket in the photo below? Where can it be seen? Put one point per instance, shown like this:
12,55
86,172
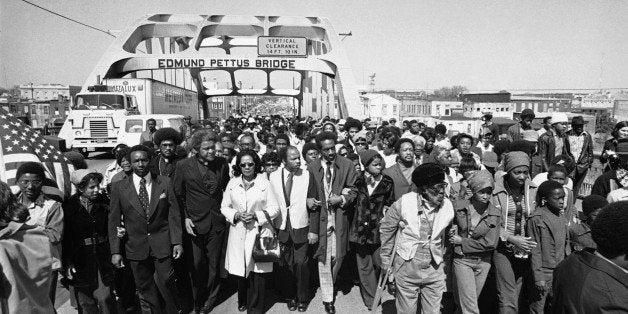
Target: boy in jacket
548,228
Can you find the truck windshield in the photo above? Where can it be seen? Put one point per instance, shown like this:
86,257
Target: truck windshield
99,102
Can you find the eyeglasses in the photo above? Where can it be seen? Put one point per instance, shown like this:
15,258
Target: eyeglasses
247,164
438,187
33,182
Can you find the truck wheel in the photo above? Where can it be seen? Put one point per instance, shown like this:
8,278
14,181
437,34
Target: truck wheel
85,153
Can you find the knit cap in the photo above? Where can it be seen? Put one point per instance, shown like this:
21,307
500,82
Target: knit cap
367,156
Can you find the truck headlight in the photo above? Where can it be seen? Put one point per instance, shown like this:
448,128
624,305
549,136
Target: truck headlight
78,133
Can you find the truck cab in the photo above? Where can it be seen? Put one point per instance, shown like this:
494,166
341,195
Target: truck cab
132,126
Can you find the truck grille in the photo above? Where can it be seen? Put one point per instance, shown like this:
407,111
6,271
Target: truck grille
98,128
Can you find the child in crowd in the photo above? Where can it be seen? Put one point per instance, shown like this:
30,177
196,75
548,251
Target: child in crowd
466,167
580,234
558,173
548,228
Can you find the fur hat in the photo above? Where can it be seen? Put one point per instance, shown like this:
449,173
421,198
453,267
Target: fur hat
427,175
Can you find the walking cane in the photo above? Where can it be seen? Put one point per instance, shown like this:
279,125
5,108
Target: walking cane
383,278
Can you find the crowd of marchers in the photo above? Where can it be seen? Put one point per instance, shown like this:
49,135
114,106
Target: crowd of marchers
282,209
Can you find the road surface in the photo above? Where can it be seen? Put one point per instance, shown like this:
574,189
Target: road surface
345,303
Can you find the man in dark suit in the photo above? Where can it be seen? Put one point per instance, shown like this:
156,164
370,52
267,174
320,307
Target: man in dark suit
148,208
199,183
335,190
596,282
401,171
580,147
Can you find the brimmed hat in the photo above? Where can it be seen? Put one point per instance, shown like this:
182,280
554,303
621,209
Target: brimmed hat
527,112
427,175
489,159
577,120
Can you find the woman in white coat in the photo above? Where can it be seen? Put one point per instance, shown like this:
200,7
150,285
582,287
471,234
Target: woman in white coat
243,205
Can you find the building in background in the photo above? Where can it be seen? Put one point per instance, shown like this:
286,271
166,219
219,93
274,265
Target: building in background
48,92
539,103
475,105
620,108
380,107
597,104
460,123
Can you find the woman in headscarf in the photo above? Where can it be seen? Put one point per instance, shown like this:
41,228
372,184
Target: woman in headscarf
474,235
515,195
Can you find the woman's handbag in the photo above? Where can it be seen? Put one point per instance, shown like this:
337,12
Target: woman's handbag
266,248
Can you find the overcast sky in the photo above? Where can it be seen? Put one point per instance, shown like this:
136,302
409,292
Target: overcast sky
414,44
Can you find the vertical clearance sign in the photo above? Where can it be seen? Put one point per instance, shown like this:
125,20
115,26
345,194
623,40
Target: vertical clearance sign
269,46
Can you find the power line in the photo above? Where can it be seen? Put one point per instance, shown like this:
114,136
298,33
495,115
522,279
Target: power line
71,19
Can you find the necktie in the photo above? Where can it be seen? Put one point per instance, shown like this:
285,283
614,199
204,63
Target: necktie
144,195
289,184
328,172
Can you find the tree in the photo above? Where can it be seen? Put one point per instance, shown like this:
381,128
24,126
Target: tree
604,123
450,92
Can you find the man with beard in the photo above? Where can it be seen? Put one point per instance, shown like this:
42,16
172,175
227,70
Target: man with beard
417,257
167,140
401,171
199,183
332,174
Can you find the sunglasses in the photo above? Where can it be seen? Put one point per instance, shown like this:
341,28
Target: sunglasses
247,164
271,164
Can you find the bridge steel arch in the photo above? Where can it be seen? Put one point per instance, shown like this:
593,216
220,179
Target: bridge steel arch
178,48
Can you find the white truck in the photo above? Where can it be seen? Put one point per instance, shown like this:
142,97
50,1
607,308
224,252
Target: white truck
96,116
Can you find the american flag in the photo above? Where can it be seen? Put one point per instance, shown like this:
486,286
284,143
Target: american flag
19,143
